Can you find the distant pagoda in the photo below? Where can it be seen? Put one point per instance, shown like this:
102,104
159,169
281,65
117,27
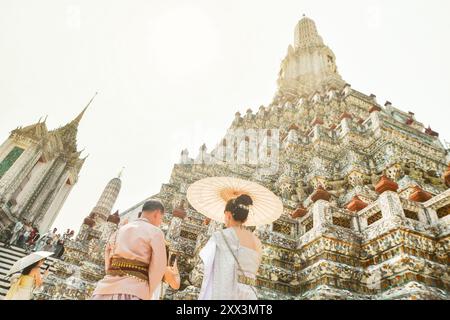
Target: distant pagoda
83,261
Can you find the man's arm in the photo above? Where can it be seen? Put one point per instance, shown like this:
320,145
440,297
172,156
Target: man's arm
172,276
158,261
107,256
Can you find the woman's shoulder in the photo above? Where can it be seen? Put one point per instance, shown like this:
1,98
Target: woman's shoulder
228,232
219,235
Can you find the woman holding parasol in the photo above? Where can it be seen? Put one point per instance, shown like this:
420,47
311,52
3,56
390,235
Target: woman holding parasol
232,256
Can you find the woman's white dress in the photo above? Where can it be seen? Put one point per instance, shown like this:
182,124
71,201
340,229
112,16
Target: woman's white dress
220,277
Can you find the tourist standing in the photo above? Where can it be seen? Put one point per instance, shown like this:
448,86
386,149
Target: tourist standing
25,233
54,242
34,235
16,232
48,246
136,260
7,234
42,241
59,248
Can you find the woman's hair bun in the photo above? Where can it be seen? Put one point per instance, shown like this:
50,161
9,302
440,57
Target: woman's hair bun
244,199
239,207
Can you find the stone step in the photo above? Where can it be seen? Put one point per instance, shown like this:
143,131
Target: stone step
3,271
4,284
5,257
5,268
8,256
12,253
5,265
18,249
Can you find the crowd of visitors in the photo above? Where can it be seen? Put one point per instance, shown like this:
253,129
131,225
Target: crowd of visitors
25,235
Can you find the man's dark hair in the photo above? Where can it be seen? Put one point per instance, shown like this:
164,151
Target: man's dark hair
153,205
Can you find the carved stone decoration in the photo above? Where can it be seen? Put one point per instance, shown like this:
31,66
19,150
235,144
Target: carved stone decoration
419,195
320,194
356,204
345,115
447,176
300,212
179,212
432,133
114,218
386,184
89,220
375,108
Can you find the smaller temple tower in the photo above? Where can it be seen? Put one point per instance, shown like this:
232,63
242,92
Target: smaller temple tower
107,200
98,223
38,169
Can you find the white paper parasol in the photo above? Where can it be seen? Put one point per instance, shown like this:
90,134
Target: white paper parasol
28,260
210,195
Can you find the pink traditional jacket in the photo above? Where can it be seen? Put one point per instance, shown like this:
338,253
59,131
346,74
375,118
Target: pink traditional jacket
137,240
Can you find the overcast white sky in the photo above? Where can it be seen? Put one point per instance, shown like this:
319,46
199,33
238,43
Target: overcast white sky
171,74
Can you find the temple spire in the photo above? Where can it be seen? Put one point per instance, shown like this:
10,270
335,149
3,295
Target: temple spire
68,133
120,173
306,34
77,120
309,66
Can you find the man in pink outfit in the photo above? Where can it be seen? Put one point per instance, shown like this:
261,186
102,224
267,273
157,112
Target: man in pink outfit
135,259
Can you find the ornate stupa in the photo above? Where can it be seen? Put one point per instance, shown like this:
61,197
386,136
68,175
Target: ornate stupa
364,188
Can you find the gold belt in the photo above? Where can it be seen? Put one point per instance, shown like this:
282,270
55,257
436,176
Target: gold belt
127,267
247,280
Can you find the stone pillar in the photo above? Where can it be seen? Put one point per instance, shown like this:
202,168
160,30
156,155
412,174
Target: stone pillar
320,217
432,215
29,184
345,126
55,185
376,123
60,196
31,189
84,231
390,205
184,158
174,228
108,228
41,198
5,148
